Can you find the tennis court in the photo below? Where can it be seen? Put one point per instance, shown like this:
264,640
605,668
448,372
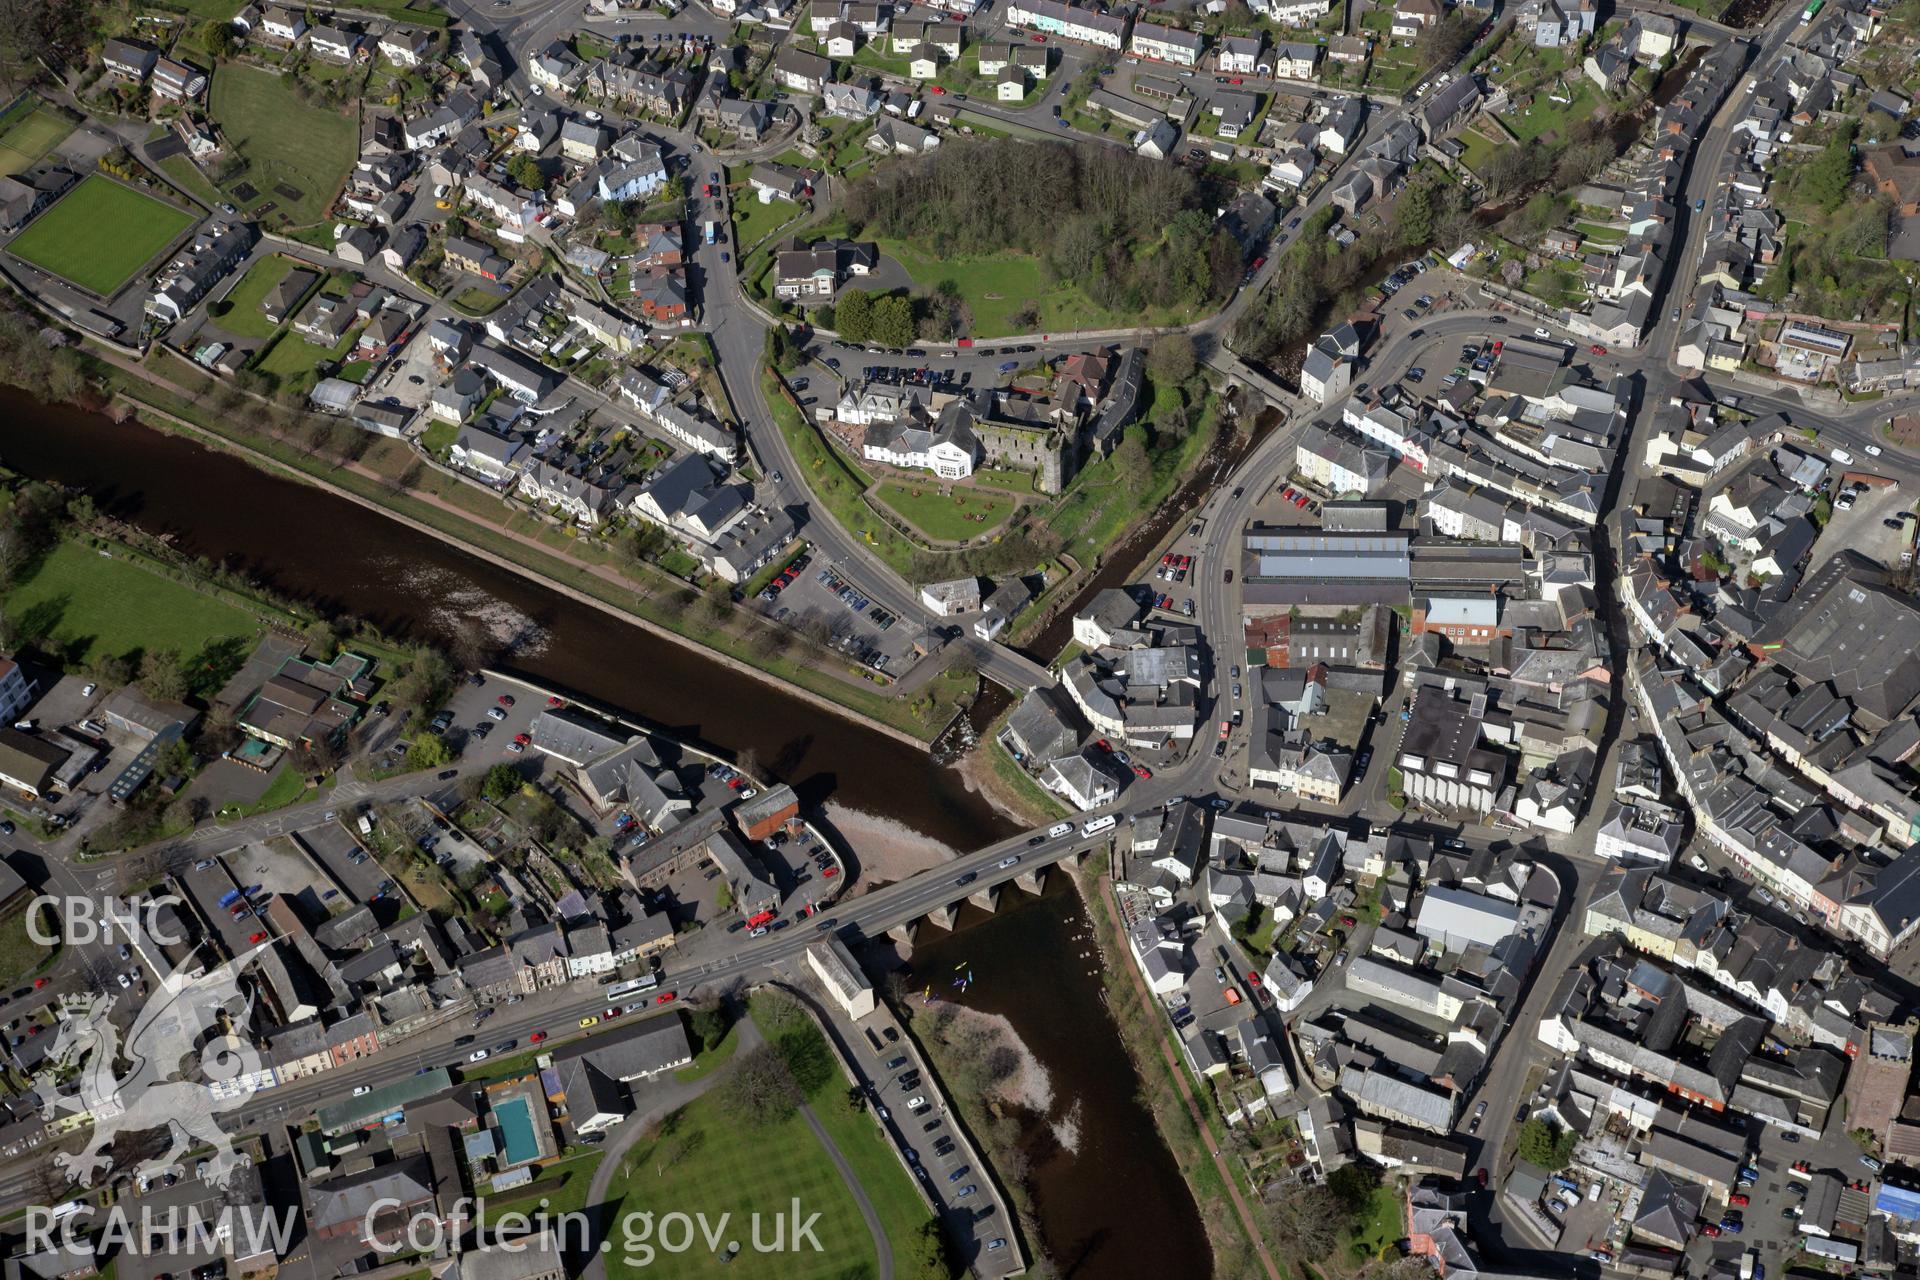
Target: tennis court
27,133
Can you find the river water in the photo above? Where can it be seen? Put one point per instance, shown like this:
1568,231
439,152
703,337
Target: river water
1110,1200
1120,1200
344,558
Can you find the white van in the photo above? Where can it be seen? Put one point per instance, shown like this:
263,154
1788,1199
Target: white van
1098,825
1059,829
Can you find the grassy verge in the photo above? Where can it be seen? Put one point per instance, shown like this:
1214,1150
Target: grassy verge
833,480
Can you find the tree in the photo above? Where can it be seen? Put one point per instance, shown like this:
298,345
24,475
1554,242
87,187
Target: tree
525,171
1131,464
216,37
853,315
1824,182
1545,1144
1171,360
428,751
501,781
161,676
760,1088
710,1026
893,321
1308,1219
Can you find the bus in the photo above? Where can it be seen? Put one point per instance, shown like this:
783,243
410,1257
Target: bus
619,989
1812,11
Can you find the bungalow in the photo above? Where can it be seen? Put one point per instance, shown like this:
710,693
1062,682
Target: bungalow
772,180
405,46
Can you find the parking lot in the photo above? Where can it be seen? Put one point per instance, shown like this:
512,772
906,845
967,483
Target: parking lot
828,603
216,895
354,871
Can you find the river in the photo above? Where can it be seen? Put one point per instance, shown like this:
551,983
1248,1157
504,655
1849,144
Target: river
345,559
1120,1200
1110,1200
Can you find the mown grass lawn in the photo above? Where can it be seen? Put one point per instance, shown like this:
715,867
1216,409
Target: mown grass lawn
81,604
295,361
100,234
752,220
699,1163
243,318
20,955
998,287
1556,118
28,132
946,513
284,140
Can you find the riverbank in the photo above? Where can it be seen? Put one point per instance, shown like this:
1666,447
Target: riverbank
385,476
1185,1120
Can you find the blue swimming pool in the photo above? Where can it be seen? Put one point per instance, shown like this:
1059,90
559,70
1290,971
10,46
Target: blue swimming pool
516,1130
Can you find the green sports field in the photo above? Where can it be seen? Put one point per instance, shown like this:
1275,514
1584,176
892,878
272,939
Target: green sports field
298,152
99,234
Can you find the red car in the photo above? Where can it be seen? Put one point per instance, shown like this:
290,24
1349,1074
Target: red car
736,783
1597,350
706,188
256,937
1104,745
1710,1229
522,739
665,997
1039,39
938,90
1739,1201
1141,771
506,699
555,700
830,872
536,1037
1348,921
614,1011
1226,727
39,983
1481,1177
